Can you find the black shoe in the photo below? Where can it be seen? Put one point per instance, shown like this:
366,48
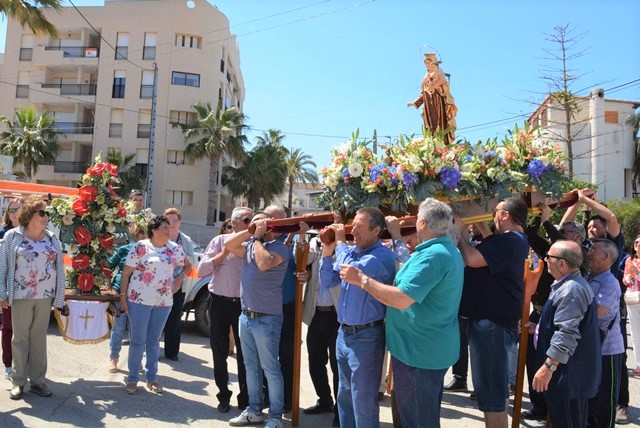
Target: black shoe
224,407
456,385
534,415
318,409
380,396
172,358
336,421
472,396
41,390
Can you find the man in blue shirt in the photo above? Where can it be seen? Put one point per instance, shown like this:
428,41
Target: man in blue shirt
360,342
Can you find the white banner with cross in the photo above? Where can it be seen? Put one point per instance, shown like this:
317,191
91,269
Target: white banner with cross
88,322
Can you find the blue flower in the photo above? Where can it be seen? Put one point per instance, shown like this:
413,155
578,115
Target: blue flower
394,181
345,173
535,169
376,171
450,177
409,179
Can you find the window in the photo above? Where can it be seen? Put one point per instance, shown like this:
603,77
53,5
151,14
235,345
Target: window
222,60
122,46
119,83
184,117
144,123
188,41
185,79
22,88
26,47
146,89
115,124
149,50
177,157
178,197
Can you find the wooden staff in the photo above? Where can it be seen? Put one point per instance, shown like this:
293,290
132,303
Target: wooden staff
302,254
531,278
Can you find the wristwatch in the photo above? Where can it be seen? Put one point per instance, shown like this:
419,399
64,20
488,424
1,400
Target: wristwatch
260,239
552,367
364,281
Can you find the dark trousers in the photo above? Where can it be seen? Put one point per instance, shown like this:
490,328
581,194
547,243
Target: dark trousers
224,314
321,347
461,368
623,394
536,398
567,413
602,408
286,350
7,334
173,327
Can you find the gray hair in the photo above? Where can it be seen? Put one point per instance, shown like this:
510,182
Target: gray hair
438,215
609,247
570,251
275,211
235,214
580,230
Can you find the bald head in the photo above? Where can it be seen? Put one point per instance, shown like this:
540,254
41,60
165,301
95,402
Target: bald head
275,211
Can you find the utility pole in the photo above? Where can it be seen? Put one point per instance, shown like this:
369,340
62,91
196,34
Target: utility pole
152,135
375,142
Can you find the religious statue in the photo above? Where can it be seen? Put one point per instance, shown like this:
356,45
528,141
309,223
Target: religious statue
438,107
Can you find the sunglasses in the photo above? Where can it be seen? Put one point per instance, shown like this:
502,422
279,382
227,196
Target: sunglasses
228,227
548,256
245,220
43,213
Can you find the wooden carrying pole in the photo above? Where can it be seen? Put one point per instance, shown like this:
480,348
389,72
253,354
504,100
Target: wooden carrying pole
302,253
531,278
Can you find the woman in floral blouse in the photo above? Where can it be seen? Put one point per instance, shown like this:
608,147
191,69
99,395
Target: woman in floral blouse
31,279
632,280
146,294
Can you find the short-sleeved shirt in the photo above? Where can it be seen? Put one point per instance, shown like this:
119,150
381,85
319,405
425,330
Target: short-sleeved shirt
151,282
607,290
495,292
426,335
35,275
262,291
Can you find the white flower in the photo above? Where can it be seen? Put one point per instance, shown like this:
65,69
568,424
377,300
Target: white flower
330,182
355,170
67,220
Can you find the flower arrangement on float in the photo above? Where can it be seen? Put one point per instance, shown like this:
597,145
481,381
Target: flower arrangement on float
415,168
89,221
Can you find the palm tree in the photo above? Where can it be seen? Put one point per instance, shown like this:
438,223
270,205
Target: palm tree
212,135
127,174
299,169
32,14
634,121
30,139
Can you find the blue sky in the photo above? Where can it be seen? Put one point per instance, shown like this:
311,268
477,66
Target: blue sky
320,72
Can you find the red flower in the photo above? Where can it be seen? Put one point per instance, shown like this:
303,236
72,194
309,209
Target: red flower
82,235
113,195
105,270
97,170
81,262
85,282
80,207
88,193
106,241
113,169
122,212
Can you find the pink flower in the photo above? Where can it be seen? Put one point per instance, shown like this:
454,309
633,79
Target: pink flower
147,277
141,251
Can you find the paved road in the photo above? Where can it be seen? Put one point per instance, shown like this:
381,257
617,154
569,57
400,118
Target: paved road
86,395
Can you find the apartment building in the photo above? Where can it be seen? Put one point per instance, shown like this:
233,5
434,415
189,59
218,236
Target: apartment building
603,144
97,79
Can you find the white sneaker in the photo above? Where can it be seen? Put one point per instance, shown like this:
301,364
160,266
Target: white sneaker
246,418
7,372
273,423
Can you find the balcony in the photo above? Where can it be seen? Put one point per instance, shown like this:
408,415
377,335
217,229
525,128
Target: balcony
149,53
74,127
144,130
22,91
76,51
146,91
72,89
26,54
71,167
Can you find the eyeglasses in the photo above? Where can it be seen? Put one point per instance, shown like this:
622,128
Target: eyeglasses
43,213
245,220
13,210
547,256
228,227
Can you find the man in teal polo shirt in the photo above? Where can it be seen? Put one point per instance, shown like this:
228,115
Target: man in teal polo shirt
422,315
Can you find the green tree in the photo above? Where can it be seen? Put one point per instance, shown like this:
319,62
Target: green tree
31,139
212,135
300,168
127,175
634,121
628,214
31,14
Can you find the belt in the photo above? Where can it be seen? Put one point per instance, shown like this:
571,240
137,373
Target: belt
325,308
229,299
355,328
252,314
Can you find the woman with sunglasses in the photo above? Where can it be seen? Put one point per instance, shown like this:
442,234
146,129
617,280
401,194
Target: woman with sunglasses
9,221
31,279
631,279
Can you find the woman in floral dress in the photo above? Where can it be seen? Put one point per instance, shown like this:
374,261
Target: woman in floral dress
146,295
632,280
31,279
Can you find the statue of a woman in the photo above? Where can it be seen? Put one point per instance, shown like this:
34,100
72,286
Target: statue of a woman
438,107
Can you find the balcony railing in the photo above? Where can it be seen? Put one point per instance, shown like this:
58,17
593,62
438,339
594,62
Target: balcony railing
149,52
70,167
76,51
115,130
22,91
26,54
144,130
74,127
146,91
72,89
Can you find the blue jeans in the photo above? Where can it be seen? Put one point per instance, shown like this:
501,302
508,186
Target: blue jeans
260,341
147,323
359,355
489,344
418,394
117,334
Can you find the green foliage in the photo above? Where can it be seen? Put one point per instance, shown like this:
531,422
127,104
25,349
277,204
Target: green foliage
31,14
628,214
127,175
